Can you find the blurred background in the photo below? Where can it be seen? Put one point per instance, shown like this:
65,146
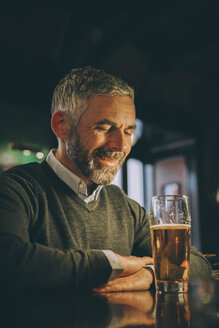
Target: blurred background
167,50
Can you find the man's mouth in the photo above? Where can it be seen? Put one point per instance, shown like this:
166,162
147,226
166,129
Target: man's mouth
109,158
106,160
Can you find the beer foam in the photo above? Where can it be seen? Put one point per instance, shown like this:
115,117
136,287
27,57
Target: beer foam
168,225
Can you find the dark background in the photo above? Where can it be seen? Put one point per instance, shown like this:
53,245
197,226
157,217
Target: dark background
167,50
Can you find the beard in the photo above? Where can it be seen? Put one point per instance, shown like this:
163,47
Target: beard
92,169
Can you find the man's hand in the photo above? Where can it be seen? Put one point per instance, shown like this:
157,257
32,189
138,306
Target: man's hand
140,280
132,264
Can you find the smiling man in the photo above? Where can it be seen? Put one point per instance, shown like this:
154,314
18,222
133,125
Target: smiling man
62,224
98,147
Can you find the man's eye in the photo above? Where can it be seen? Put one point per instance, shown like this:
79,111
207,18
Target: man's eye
129,133
102,128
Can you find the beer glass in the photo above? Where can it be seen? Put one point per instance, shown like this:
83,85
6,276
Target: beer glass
170,226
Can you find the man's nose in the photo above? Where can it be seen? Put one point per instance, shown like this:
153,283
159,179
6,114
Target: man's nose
118,141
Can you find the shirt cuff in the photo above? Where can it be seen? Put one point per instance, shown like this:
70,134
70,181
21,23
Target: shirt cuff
117,268
151,266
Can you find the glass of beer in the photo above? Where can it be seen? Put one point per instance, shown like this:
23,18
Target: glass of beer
170,228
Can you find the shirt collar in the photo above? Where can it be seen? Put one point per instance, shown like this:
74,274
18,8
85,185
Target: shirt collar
72,180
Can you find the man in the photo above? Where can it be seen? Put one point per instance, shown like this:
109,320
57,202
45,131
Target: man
62,225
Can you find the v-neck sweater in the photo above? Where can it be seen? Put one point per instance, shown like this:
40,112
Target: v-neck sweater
51,238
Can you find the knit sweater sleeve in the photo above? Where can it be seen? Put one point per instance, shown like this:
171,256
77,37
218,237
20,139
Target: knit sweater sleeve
30,265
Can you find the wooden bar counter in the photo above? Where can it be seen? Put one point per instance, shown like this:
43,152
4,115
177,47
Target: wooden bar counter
199,308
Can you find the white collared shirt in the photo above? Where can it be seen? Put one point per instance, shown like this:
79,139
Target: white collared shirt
72,180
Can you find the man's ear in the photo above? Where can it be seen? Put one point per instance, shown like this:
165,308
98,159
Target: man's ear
60,125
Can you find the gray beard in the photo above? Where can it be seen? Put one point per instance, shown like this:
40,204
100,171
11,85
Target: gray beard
94,171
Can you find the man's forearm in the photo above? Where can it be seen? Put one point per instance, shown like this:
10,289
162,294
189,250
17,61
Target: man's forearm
31,266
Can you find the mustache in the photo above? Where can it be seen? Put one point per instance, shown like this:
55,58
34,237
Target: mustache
108,153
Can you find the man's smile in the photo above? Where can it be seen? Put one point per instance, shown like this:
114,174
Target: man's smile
107,161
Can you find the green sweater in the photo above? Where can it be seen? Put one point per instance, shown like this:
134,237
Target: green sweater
50,238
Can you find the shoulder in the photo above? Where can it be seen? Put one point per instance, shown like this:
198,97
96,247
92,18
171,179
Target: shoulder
26,174
22,170
114,192
118,199
118,195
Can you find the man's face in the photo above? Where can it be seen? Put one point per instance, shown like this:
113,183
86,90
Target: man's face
103,138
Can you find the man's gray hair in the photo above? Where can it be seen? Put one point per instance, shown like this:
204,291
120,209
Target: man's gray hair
73,92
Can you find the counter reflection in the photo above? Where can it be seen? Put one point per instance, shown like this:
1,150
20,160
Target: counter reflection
199,309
